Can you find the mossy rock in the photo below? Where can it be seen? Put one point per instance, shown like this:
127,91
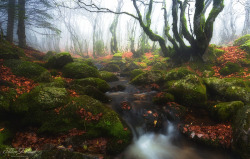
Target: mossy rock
108,76
25,68
45,77
242,40
10,51
111,68
135,73
163,98
59,60
189,91
48,55
40,98
177,74
149,77
117,56
241,136
6,99
92,92
57,82
229,89
95,82
130,67
108,125
212,54
78,70
246,46
5,137
159,66
225,111
230,68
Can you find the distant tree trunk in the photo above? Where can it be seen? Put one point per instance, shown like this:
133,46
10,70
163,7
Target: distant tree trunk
11,18
113,43
21,24
246,29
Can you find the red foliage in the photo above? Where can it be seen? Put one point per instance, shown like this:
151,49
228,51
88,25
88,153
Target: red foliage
220,133
125,105
232,54
31,139
127,55
22,84
88,116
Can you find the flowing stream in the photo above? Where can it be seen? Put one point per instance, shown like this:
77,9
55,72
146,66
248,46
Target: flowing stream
150,141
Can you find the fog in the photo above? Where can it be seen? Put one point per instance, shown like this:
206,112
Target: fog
72,27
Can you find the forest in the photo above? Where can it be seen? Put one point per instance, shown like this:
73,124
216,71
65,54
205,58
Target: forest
125,79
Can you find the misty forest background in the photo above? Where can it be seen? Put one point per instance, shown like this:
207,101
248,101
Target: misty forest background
87,28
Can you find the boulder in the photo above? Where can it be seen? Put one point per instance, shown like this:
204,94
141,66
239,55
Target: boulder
59,60
111,68
149,77
225,111
77,70
242,40
229,68
241,132
25,68
95,82
108,76
228,89
189,91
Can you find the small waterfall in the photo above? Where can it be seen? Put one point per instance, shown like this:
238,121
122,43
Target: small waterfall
148,144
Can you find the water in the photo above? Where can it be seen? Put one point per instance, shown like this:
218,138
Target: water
151,142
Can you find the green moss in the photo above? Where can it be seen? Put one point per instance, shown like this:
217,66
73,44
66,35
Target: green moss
40,98
242,40
92,92
48,55
117,56
241,127
212,54
6,99
229,68
25,68
163,98
78,70
246,46
109,125
226,111
108,76
44,77
95,82
229,89
189,91
143,65
9,51
149,77
135,73
5,136
177,74
111,68
57,82
59,60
